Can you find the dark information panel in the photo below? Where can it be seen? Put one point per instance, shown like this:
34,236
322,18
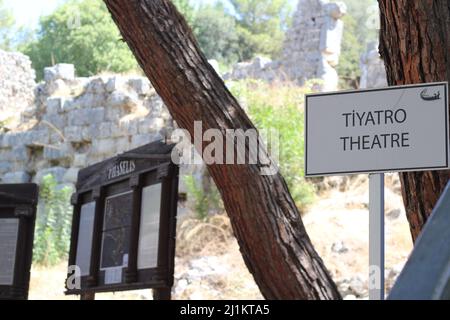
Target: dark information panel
124,221
17,218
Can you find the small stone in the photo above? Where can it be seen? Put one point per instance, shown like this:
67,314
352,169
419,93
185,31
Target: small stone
16,177
57,172
62,71
393,214
54,105
339,247
114,83
71,175
80,160
103,147
140,85
59,152
73,134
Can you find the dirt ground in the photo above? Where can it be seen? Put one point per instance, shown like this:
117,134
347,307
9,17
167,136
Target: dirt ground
209,264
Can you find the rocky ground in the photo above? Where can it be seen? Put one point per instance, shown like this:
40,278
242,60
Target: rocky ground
209,264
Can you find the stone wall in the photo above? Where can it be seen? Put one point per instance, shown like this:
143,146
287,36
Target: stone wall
373,72
76,122
311,49
16,86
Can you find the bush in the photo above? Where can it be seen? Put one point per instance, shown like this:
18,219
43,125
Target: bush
80,32
205,200
279,107
53,224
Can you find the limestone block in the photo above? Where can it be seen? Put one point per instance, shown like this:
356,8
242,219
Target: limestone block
73,134
20,153
16,177
123,144
91,100
114,83
118,130
71,175
130,126
104,130
83,117
103,147
57,172
62,71
10,139
118,99
113,114
140,140
5,166
86,133
54,105
150,125
57,120
60,152
141,85
96,86
70,104
37,137
80,160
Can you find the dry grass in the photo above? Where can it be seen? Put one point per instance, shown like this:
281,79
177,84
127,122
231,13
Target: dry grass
209,246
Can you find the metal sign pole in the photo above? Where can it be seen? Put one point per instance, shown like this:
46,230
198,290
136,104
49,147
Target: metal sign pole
376,236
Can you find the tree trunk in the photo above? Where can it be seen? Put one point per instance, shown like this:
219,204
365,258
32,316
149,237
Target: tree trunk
264,217
415,46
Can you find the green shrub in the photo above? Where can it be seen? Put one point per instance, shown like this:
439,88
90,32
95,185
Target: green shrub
205,200
280,107
54,218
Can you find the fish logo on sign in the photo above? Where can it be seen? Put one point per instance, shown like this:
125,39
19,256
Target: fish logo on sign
424,95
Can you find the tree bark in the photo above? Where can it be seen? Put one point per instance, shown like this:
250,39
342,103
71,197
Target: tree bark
265,220
415,46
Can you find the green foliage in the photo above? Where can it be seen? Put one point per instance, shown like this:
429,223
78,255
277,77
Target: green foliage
52,236
261,26
204,201
351,50
80,32
360,28
186,9
6,24
279,107
216,33
366,16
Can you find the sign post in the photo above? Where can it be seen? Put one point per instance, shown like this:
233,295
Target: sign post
18,204
124,224
376,236
394,129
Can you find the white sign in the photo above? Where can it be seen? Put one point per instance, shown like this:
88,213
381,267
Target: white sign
401,128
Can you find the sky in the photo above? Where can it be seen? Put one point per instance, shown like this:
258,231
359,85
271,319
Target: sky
27,12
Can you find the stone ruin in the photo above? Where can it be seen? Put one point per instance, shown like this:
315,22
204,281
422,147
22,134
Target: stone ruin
16,85
66,123
311,51
373,73
313,44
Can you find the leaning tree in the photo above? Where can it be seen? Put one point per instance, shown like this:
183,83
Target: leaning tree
265,220
415,46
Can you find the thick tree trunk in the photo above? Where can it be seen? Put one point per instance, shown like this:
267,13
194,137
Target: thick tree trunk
265,220
415,46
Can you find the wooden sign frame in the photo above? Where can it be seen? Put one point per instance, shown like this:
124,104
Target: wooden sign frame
18,202
128,174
